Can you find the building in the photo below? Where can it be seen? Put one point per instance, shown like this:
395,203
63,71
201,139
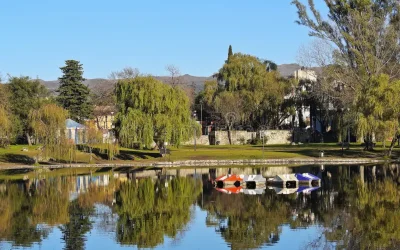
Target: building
75,132
104,117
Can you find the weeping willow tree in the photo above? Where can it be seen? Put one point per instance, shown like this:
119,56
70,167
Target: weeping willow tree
149,111
149,210
5,127
379,109
48,124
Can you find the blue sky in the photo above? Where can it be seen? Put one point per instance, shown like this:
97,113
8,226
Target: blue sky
38,36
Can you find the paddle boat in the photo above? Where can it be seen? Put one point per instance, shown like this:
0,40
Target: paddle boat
308,179
284,180
229,180
254,181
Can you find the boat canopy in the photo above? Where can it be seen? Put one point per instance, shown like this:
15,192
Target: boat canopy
285,178
254,177
306,177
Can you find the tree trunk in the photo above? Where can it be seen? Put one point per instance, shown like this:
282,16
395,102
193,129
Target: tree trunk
90,150
28,138
395,138
229,135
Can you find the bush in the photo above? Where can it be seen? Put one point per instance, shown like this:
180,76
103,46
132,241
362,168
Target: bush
256,141
242,140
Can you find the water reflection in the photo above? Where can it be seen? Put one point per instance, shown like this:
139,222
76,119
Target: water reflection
356,207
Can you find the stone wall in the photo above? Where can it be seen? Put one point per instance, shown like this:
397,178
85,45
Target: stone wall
278,137
239,136
272,137
202,140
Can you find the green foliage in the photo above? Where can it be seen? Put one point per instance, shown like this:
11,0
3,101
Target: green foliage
5,127
150,110
74,96
48,124
378,107
25,95
256,95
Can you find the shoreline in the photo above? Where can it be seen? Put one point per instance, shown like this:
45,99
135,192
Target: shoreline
209,163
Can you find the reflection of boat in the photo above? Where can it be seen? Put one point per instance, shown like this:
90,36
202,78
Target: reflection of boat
230,179
256,191
230,190
284,180
308,179
301,189
283,190
254,181
307,190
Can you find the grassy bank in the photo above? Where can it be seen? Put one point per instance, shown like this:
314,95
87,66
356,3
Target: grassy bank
15,155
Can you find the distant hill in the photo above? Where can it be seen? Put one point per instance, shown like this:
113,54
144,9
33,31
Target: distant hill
285,70
99,83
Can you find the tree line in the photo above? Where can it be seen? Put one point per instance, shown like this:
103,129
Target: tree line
357,88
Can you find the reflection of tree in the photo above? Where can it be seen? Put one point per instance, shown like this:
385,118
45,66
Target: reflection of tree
79,224
371,219
251,220
50,202
149,210
16,218
46,201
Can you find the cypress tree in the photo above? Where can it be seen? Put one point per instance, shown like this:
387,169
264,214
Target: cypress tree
230,53
74,96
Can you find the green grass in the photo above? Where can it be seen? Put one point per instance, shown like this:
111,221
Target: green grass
15,156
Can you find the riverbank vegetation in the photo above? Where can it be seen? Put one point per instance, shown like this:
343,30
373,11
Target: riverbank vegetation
15,155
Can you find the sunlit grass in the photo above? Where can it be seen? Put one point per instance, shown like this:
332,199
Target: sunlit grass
14,155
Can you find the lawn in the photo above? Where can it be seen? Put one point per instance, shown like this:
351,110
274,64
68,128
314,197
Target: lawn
16,156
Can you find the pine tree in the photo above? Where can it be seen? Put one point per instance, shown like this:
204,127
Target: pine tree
74,96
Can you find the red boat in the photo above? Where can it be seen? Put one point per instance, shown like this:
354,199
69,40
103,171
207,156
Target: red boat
229,180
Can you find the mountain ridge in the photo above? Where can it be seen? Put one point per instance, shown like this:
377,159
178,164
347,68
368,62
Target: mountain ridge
286,70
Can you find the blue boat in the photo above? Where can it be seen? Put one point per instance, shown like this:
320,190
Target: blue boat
308,179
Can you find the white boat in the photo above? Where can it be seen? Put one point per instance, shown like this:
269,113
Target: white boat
254,181
284,180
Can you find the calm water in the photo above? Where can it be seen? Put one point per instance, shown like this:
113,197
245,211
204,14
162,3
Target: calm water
355,208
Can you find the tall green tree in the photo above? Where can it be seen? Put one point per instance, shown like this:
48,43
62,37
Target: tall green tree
261,92
74,96
230,53
365,35
149,110
26,95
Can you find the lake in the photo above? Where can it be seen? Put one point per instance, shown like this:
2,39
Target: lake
355,207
